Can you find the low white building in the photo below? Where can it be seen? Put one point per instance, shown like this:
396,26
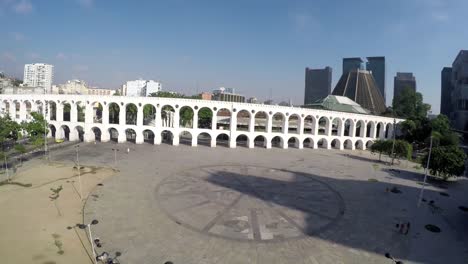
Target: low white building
101,91
71,87
140,88
23,90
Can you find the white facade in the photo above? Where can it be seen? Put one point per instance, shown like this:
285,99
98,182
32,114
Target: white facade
39,75
233,124
101,91
71,87
140,88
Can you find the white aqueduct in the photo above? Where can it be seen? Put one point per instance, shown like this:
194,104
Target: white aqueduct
185,121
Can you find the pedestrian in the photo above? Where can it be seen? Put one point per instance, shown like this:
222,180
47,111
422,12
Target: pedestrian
402,227
128,150
407,228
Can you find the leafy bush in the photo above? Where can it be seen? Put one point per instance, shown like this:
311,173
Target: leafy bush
446,161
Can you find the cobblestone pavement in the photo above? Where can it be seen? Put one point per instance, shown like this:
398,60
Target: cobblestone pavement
203,205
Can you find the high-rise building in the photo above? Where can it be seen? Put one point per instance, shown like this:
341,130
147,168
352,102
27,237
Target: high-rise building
140,88
317,84
376,65
446,91
39,75
360,86
459,111
350,64
402,81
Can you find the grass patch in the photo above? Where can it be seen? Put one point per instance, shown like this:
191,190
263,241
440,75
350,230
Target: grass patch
58,244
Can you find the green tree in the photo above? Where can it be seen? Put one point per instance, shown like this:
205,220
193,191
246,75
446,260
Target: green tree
9,130
381,146
131,114
446,161
410,104
36,128
21,149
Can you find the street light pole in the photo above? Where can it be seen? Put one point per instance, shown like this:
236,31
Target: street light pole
77,148
45,128
6,167
393,144
425,174
91,240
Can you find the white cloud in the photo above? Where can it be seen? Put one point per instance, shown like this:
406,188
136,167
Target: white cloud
86,3
23,7
61,56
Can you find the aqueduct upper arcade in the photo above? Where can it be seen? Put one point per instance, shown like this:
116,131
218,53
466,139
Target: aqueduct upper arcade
194,122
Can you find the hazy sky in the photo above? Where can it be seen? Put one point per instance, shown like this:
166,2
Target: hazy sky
254,46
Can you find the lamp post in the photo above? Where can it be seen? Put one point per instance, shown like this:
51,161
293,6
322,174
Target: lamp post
88,226
77,149
115,156
45,127
425,174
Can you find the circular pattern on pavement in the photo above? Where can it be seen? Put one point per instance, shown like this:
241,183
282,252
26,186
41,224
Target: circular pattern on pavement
250,203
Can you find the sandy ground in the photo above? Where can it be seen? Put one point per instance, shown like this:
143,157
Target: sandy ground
36,229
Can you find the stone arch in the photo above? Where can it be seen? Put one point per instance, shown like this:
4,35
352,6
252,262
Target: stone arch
80,111
348,128
261,122
186,117
243,120
260,141
148,136
39,107
185,138
360,128
113,134
130,135
335,143
28,108
370,128
322,143
222,140
204,139
149,116
114,113
64,132
242,140
293,142
52,131
167,116
79,132
294,124
6,107
369,144
17,108
97,112
205,118
323,126
309,125
167,137
66,112
388,131
131,114
277,142
380,130
348,144
337,126
359,144
223,119
278,122
52,109
308,143
97,133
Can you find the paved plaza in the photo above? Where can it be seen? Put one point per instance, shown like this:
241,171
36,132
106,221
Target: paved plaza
205,205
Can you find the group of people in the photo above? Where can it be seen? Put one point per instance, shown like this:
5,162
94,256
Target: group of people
403,227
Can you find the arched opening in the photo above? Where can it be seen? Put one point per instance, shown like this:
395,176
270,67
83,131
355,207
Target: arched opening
243,121
52,110
358,144
308,143
278,123
148,136
348,128
80,111
186,117
360,128
66,111
348,144
205,118
261,122
28,107
293,142
167,137
323,126
80,133
294,124
65,132
131,114
53,130
6,107
97,134
130,135
149,116
277,142
185,138
379,130
223,119
242,140
388,132
369,144
322,143
222,140
114,134
97,113
114,113
260,141
370,129
336,144
17,109
39,107
204,139
336,126
167,116
309,123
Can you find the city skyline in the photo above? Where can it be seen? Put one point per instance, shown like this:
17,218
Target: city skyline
198,46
